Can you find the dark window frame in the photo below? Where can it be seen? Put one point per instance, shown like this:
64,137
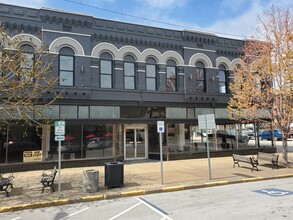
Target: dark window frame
225,81
170,79
198,79
106,74
125,76
68,71
151,77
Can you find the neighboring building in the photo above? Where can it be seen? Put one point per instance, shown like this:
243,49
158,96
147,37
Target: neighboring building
119,79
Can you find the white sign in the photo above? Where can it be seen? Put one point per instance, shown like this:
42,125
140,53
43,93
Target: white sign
59,138
206,121
59,128
160,127
31,156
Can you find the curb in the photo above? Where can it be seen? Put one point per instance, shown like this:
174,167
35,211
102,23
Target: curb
132,193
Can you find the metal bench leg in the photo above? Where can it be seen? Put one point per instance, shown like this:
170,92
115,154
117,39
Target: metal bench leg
7,194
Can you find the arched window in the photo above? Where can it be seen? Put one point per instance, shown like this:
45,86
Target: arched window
151,74
171,70
200,78
129,72
223,76
26,58
106,70
66,67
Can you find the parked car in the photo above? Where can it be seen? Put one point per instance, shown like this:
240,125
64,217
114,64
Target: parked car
94,143
70,147
99,143
290,134
15,146
267,134
249,132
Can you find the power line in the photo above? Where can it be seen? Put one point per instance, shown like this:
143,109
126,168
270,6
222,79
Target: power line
147,19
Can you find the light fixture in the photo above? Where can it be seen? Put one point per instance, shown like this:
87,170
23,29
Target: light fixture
81,68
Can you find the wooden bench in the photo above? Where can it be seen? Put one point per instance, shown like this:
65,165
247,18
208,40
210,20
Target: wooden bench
268,157
5,183
245,159
48,178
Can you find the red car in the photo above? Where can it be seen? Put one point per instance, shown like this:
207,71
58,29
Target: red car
290,134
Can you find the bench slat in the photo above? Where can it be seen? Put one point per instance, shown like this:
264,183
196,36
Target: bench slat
246,159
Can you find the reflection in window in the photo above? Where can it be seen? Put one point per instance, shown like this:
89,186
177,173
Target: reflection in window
222,81
151,74
106,71
200,80
66,70
83,112
171,79
68,111
27,63
129,75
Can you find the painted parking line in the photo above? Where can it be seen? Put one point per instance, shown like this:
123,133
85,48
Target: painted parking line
158,210
127,210
16,218
74,213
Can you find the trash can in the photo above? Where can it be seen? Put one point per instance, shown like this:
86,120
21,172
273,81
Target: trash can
114,174
90,181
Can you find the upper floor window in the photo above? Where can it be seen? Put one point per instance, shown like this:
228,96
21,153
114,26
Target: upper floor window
129,72
151,74
171,84
66,67
27,63
200,77
106,70
223,82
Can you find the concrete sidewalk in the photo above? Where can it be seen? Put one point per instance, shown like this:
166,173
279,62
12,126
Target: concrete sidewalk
139,178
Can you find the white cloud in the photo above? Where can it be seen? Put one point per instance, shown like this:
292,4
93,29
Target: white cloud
243,25
246,23
28,3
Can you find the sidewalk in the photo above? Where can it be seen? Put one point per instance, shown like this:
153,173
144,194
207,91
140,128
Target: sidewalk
139,178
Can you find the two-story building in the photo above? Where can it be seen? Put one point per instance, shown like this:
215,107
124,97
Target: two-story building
118,79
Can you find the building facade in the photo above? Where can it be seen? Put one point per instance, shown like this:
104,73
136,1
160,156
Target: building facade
118,79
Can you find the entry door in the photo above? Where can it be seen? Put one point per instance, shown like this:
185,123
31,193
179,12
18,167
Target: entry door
135,142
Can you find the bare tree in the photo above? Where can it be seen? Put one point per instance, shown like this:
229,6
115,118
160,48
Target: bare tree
263,83
25,76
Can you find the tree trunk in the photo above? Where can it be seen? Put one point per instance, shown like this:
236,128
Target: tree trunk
285,149
90,181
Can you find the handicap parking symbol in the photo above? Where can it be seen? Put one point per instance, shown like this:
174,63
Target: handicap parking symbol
274,192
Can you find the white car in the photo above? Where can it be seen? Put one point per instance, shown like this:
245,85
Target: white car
95,143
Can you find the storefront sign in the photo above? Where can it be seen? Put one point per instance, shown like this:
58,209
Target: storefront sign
32,156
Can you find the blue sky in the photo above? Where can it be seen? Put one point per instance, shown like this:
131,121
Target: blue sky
230,17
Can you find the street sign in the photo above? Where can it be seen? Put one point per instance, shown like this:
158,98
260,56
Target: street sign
60,138
59,128
206,121
160,127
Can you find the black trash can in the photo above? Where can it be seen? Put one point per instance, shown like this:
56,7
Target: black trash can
114,174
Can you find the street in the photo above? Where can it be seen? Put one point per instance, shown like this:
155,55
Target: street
271,199
278,144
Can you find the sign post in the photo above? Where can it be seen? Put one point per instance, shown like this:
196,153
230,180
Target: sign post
59,136
207,122
160,130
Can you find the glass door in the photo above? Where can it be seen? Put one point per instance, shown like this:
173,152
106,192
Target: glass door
135,143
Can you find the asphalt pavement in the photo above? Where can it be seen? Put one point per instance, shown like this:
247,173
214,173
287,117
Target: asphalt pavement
140,178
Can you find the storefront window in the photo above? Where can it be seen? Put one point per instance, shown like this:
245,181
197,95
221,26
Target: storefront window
88,141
